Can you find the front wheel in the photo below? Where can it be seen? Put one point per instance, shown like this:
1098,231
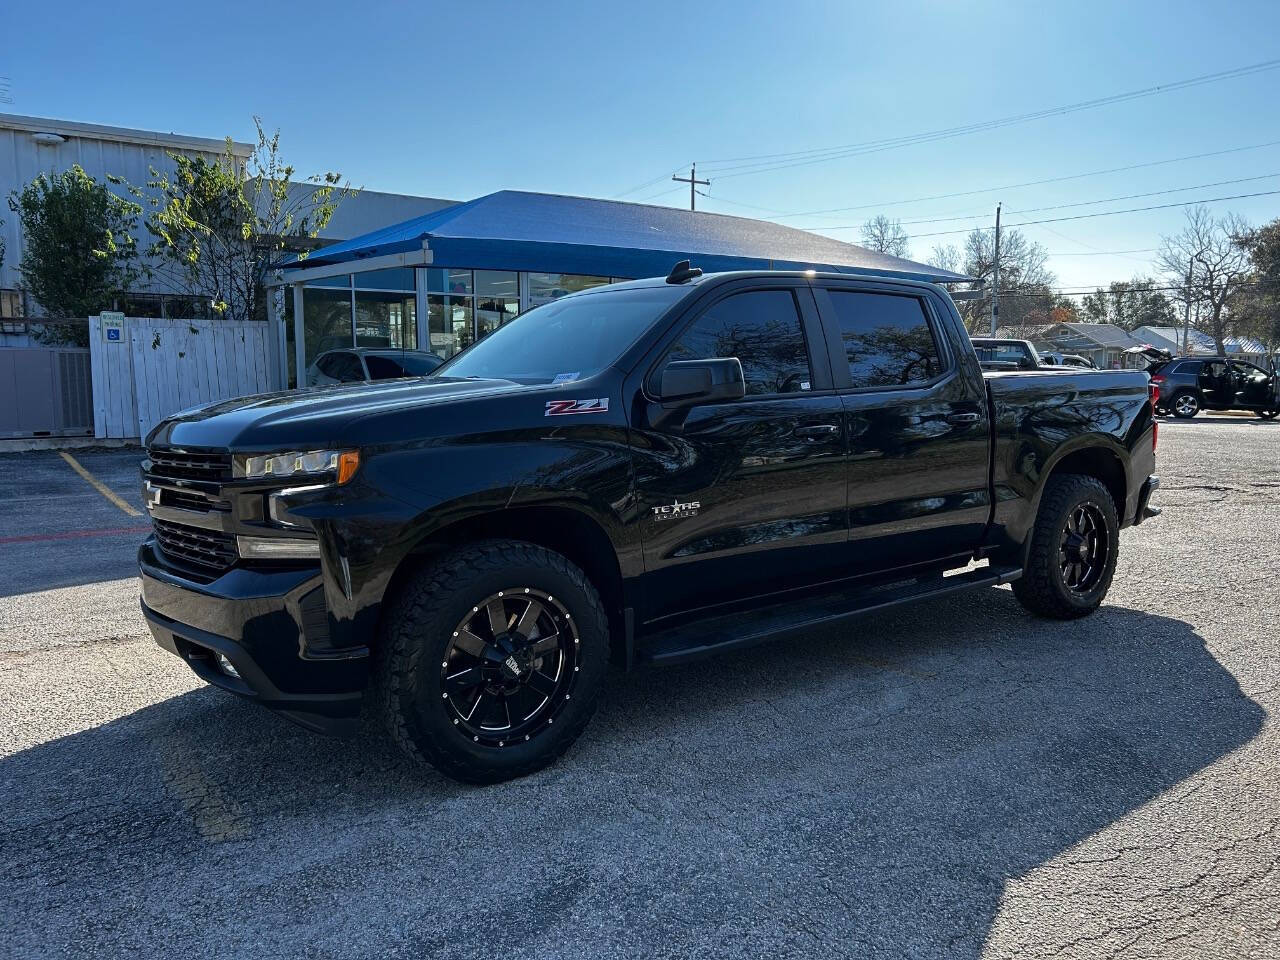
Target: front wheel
1269,414
1186,405
1072,556
491,660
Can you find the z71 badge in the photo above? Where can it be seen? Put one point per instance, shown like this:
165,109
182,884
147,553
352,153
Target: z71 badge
562,408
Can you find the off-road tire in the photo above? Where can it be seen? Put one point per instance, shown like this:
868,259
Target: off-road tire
1042,588
1183,396
416,631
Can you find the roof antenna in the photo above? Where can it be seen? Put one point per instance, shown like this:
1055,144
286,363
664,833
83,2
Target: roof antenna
683,273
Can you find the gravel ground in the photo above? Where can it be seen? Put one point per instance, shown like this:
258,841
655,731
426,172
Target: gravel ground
951,780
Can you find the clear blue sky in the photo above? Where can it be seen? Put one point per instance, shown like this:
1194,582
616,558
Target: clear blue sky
462,99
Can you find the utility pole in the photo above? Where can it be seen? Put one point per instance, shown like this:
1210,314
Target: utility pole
1186,318
692,180
995,279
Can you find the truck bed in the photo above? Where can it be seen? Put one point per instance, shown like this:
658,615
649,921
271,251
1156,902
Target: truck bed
1041,416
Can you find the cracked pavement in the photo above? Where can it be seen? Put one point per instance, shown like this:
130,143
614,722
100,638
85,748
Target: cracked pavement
954,779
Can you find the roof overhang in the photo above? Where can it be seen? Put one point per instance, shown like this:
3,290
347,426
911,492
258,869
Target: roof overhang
297,271
95,131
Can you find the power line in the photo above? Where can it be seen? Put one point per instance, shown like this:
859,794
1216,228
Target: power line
1103,253
1080,291
762,163
1008,186
647,183
1081,216
1087,203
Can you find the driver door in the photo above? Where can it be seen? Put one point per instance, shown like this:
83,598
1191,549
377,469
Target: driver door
742,498
1253,385
1217,386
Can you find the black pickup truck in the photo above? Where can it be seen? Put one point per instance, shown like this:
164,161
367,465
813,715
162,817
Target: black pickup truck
649,471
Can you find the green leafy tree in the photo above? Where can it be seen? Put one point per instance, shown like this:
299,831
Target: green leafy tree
219,225
80,253
1130,304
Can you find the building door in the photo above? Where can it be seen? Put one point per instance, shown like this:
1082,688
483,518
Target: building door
745,498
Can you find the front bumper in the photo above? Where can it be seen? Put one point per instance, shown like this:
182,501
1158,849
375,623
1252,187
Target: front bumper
272,625
1145,510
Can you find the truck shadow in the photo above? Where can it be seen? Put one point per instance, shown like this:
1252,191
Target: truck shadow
867,789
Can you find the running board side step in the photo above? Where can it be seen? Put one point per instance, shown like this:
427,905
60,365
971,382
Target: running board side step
703,638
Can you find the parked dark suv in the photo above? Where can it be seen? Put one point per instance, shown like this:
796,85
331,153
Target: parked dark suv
1189,385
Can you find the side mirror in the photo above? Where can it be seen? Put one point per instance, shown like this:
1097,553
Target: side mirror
687,383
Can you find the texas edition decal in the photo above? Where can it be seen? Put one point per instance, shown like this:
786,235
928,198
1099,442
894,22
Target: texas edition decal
561,408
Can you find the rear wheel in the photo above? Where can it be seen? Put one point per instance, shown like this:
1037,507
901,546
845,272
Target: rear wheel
1186,405
1072,556
491,661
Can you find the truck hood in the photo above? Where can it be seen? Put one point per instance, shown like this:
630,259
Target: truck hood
314,417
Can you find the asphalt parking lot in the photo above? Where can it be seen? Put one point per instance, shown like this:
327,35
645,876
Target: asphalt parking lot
951,780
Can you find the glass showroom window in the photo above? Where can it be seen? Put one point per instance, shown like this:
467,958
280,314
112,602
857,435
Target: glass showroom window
386,311
326,316
545,287
450,324
497,299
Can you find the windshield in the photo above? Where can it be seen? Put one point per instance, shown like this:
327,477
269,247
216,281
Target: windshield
565,340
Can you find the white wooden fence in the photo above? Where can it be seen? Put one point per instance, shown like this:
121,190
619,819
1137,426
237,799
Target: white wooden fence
158,367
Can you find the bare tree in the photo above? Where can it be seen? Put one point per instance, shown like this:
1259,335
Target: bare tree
946,258
886,236
1026,298
1209,251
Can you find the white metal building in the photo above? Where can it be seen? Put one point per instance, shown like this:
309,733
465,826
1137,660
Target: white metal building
31,145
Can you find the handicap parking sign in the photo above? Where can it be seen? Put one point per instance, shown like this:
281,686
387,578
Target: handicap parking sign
112,326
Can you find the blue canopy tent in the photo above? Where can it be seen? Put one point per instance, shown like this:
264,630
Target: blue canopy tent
515,230
448,277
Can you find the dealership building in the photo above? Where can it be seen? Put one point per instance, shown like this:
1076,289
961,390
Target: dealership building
443,280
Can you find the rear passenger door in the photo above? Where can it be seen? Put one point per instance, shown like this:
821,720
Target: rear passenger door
916,417
747,497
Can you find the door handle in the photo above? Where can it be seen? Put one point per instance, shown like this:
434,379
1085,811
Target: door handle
817,431
964,418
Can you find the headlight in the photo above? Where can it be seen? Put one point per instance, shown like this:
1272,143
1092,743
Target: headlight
342,464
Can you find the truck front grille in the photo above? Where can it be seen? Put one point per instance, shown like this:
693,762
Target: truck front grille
210,549
172,464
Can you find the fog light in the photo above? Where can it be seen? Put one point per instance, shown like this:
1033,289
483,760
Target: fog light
225,666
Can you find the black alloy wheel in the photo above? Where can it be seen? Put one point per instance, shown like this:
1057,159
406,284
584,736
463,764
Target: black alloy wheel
1071,556
1083,549
510,667
490,659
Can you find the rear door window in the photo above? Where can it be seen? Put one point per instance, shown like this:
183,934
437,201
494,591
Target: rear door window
762,329
888,341
383,368
345,367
